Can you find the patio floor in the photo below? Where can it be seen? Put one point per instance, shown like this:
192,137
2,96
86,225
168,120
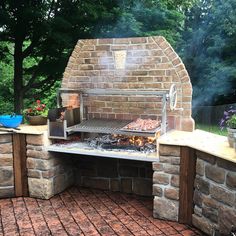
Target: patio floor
81,211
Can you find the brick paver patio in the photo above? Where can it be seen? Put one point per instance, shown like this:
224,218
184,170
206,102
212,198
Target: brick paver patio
81,211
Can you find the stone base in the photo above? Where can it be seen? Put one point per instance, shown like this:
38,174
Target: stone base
165,209
7,188
166,183
214,195
47,188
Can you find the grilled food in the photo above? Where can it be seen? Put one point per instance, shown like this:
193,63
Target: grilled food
143,125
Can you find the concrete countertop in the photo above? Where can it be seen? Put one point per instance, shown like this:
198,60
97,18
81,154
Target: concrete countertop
207,142
25,129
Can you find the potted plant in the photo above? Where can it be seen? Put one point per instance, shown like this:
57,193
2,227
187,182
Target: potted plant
229,121
36,114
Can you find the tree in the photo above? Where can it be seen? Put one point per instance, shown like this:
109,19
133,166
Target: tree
40,34
209,51
145,18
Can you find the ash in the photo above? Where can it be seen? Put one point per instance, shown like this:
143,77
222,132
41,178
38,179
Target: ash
121,143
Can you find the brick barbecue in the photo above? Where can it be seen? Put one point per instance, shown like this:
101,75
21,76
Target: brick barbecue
145,63
116,81
191,180
109,83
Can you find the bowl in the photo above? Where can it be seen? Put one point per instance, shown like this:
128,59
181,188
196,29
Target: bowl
10,121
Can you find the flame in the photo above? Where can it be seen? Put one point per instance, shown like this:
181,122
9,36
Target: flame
140,141
151,139
134,140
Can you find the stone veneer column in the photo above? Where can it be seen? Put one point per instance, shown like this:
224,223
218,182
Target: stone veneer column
215,195
166,183
48,174
6,166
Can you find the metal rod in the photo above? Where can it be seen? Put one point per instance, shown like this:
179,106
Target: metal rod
163,115
124,92
81,102
116,92
58,99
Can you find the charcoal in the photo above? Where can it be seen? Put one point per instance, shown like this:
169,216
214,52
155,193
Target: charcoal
107,146
111,142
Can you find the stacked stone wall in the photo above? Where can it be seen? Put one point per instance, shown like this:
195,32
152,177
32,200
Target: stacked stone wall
166,183
48,174
215,195
6,166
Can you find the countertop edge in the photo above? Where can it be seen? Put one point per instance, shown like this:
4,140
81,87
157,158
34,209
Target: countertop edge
203,141
26,129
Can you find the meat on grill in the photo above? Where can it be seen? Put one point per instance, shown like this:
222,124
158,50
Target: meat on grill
143,124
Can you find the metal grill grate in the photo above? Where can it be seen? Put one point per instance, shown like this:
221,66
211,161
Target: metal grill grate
108,127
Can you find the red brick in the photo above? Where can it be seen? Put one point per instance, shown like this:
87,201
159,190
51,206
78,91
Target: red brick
85,212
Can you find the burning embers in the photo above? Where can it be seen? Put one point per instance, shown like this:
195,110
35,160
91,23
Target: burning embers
122,142
110,142
116,135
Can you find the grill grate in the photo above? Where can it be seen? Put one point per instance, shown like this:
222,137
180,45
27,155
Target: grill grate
108,127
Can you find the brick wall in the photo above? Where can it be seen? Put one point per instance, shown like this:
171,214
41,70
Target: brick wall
151,64
215,195
51,173
114,174
166,183
6,166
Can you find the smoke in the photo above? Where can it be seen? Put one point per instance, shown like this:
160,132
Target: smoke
209,57
141,18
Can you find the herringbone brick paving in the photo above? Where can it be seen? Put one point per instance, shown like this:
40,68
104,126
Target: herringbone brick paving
89,212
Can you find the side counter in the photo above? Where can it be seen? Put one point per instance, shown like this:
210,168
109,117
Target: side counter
200,189
26,168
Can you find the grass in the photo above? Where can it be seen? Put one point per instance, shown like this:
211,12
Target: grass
212,129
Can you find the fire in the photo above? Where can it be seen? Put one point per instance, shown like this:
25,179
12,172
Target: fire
151,139
138,141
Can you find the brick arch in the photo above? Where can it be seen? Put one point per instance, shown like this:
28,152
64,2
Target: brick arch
187,123
151,64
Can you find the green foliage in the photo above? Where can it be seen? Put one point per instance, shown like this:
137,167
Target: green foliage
6,86
37,37
212,129
209,51
232,122
144,18
48,97
37,108
42,33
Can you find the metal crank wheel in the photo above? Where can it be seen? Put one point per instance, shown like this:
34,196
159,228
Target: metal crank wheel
173,97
